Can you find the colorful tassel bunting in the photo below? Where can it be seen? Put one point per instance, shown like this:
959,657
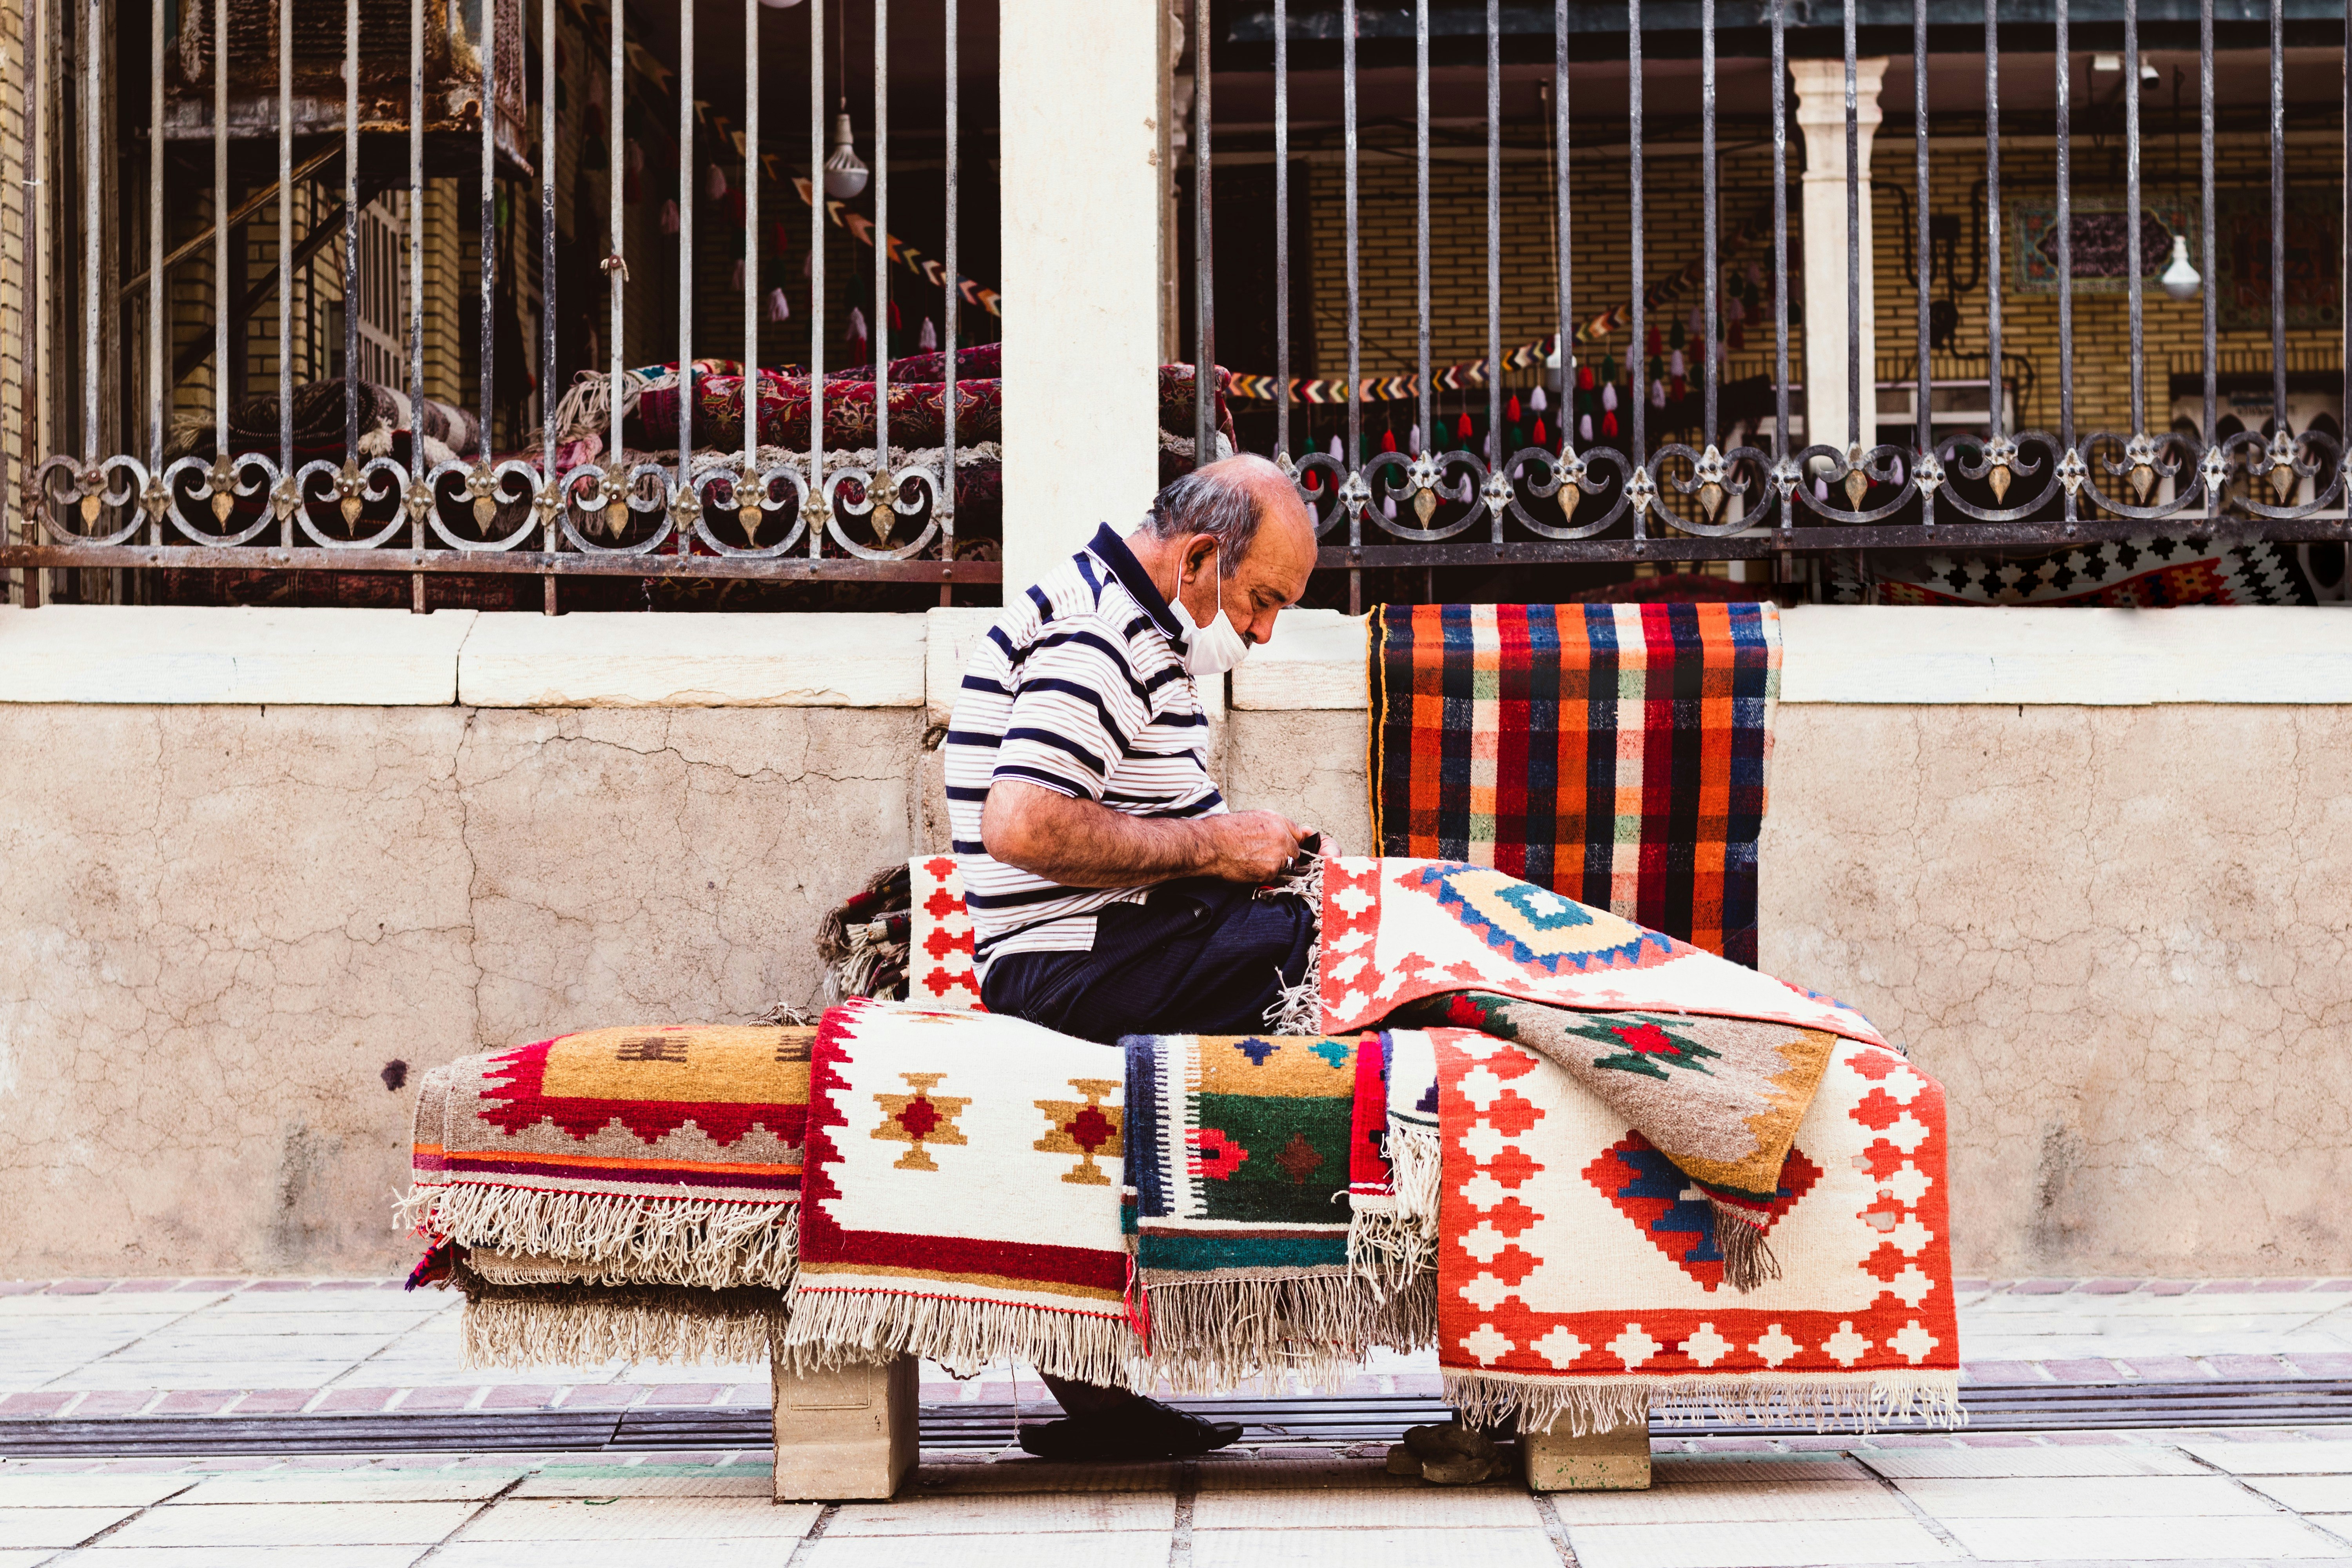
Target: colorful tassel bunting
1388,441
1655,343
1413,440
927,342
1584,378
1538,436
1511,409
1462,426
1657,394
1584,428
1538,403
714,182
1608,425
669,217
1609,367
1677,366
1680,389
1608,397
636,158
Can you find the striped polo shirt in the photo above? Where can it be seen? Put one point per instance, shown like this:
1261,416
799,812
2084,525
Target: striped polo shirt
1080,687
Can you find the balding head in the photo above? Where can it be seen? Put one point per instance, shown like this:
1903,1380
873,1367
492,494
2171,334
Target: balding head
1251,515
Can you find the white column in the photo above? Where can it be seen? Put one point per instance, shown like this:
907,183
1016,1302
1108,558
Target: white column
1079,86
1820,115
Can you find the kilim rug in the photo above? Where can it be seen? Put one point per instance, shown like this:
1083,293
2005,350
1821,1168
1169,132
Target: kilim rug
962,1196
1614,754
939,951
660,1155
1241,1162
1577,1276
2149,572
1713,1062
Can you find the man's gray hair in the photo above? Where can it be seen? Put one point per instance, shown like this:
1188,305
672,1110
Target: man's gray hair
1211,502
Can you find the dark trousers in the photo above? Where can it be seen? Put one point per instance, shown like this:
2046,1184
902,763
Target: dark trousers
1198,957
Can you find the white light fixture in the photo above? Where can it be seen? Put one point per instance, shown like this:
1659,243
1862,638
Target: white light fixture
2179,280
844,171
2107,62
780,5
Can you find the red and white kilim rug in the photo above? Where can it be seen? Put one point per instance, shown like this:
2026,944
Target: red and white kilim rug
939,972
1578,1274
962,1195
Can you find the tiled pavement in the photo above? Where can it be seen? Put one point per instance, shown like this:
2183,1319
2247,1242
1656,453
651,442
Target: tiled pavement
92,1348
96,1347
2240,1497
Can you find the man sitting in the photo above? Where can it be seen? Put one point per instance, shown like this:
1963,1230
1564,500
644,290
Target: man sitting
1111,891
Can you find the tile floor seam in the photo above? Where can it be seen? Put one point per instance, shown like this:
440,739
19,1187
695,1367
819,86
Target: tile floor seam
801,1549
136,1513
328,1386
1555,1529
1927,1521
2331,1537
1180,1529
468,1522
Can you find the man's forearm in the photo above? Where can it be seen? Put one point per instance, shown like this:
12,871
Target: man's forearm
1081,844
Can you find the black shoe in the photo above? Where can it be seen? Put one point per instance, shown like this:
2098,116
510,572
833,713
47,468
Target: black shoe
1141,1429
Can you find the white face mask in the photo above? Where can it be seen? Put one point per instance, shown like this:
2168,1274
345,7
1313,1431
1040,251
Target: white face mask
1211,649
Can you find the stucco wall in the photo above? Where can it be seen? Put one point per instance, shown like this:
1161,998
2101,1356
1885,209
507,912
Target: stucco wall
2118,935
222,923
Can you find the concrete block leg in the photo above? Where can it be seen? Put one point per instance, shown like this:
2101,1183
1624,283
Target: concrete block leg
1615,1460
844,1435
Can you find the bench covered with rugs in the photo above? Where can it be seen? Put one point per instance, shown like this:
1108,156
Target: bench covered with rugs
1603,1174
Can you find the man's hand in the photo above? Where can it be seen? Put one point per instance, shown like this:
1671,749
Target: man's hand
1081,844
1251,846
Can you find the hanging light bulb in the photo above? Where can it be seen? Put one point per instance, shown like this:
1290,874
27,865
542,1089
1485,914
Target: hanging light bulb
845,172
780,5
2179,280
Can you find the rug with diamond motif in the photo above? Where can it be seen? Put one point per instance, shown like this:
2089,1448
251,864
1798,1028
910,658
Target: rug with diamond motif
962,1196
1242,1160
1713,1062
665,1154
1578,1277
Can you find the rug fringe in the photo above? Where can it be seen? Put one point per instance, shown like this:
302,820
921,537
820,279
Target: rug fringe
1748,1260
1858,1402
1232,1331
825,1328
645,1240
576,1325
1298,1009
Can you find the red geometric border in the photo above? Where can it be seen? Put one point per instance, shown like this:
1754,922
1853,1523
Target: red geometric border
1673,1327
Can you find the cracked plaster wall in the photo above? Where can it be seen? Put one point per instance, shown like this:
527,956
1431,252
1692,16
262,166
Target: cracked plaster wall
2117,935
221,923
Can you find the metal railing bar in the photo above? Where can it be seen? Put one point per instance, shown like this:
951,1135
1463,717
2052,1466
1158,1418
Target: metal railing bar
883,491
157,392
1282,231
1924,437
1496,454
351,236
1355,453
2065,86
486,355
945,507
419,493
550,491
1204,265
400,561
617,266
2344,274
1853,245
2134,284
685,496
1428,439
1780,411
750,289
34,303
2278,214
220,233
1710,213
813,503
1640,346
286,260
1992,214
1564,411
2205,197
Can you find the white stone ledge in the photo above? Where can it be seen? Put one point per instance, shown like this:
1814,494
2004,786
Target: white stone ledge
1834,654
648,660
156,654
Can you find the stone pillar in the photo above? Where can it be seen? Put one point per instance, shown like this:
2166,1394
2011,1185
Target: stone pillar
1080,88
1820,115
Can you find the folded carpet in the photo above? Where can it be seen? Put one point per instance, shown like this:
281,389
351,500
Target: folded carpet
666,1155
1578,1276
1243,1167
1614,754
962,1196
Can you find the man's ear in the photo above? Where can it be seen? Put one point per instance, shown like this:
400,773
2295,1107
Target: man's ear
1198,553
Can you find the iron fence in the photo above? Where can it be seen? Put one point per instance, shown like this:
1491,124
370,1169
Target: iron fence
1572,498
760,514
